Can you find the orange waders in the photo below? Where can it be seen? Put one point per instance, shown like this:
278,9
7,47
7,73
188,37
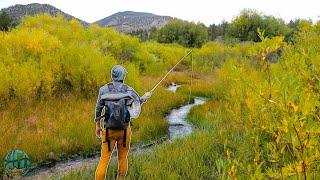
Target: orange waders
115,138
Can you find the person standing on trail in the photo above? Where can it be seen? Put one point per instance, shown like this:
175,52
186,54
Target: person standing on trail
117,103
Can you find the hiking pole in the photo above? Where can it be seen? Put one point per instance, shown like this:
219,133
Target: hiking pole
155,87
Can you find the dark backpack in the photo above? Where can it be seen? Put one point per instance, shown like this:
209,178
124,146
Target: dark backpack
116,115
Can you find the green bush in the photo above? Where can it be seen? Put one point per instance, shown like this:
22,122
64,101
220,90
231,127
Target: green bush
245,26
182,32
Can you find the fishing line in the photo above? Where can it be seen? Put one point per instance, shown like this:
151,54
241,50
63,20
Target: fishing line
191,77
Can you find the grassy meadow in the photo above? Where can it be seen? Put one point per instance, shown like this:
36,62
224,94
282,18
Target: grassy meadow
261,120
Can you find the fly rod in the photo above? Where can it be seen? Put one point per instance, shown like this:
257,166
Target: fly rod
155,87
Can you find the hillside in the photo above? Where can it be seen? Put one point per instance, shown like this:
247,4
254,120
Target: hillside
18,11
129,21
126,21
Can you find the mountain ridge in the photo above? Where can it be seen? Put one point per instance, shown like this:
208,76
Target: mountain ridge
18,11
128,21
123,21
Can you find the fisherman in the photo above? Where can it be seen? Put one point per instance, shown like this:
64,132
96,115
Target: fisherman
117,103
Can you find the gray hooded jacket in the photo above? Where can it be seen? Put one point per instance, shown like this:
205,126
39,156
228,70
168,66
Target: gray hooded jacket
118,74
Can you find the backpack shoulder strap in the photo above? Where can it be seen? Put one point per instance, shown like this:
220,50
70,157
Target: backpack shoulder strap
125,87
110,87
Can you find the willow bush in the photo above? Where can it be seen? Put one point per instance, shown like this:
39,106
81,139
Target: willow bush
277,104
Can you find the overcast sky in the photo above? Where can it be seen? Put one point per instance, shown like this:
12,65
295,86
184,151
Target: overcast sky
206,11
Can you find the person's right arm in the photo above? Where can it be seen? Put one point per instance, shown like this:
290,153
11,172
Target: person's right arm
145,97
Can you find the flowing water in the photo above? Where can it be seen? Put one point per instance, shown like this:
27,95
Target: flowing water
178,127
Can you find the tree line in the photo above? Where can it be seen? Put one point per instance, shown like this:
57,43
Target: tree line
244,27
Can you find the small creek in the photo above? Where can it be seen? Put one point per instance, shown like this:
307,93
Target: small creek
178,127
